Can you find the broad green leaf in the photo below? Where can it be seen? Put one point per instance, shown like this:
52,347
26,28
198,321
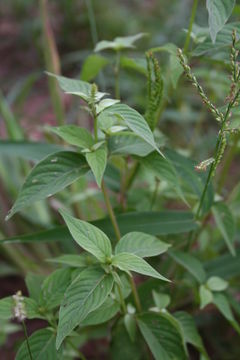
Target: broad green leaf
136,64
130,262
34,151
141,244
34,283
85,294
102,314
50,176
128,143
223,40
189,330
119,43
74,135
134,121
42,346
130,325
6,308
223,306
161,300
190,263
122,348
97,160
215,283
77,87
191,181
224,266
164,170
151,222
82,260
206,296
104,104
219,11
92,66
54,287
162,337
89,237
226,224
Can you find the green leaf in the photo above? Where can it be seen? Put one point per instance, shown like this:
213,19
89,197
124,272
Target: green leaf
78,261
102,314
219,12
224,266
42,346
151,222
162,336
189,330
164,170
92,66
136,64
77,87
225,222
50,176
86,293
130,262
74,135
128,143
6,308
141,244
122,348
89,237
190,263
134,121
161,300
97,160
215,283
104,104
34,151
119,43
34,283
206,296
130,325
221,302
54,287
223,40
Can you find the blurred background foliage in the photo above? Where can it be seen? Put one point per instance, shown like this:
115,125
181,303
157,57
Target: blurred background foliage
60,36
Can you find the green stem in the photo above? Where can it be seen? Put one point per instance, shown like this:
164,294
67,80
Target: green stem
193,15
74,347
117,75
111,212
122,301
218,145
118,236
135,294
27,341
155,193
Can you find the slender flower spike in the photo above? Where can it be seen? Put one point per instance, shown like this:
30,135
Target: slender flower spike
204,164
211,107
19,309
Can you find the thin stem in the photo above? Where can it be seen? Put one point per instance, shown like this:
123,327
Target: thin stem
122,301
135,294
118,236
111,212
193,15
155,193
27,341
218,145
74,347
117,75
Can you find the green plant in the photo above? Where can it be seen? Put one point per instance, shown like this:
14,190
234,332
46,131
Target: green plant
93,292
